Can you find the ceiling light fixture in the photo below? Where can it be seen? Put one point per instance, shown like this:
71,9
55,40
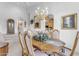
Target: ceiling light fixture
41,13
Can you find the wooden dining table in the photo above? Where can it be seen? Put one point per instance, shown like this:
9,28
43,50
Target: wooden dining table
46,47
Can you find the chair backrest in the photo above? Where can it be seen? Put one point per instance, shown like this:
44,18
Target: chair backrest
55,34
28,40
23,43
75,44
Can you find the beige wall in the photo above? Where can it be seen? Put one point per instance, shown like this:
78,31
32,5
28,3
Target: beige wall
11,10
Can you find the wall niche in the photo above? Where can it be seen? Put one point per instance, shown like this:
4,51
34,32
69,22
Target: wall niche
49,22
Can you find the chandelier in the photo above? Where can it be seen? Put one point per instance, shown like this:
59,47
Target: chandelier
41,13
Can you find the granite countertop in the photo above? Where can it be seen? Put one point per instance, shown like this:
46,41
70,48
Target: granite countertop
54,42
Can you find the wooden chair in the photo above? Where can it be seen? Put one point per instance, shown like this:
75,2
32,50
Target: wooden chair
26,44
68,51
55,34
28,39
25,51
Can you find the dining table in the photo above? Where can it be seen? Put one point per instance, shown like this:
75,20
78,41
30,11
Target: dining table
52,46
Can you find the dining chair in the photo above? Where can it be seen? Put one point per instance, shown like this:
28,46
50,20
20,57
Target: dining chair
68,51
55,34
23,45
32,52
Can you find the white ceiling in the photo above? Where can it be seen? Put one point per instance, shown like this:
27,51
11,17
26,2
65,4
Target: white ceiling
24,4
52,6
32,4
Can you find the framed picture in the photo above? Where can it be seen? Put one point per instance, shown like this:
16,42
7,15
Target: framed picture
69,21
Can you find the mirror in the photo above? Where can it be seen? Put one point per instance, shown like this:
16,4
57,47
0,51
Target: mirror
10,26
